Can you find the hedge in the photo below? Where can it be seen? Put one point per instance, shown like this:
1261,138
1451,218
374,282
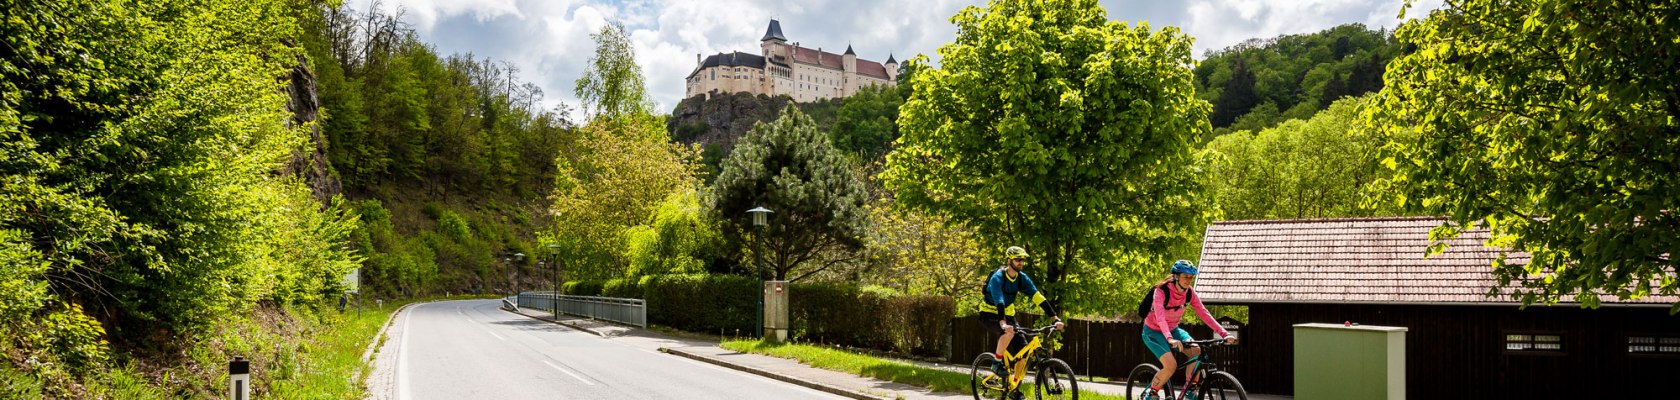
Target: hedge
833,313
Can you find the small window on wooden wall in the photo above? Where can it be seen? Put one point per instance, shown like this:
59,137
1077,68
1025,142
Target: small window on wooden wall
1533,343
1654,344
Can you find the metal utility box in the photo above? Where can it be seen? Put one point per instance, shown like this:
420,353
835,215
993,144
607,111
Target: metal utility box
1338,361
776,310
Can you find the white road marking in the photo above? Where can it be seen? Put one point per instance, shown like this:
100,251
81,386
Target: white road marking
579,378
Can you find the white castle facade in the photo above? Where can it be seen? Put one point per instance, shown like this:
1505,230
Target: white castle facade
787,69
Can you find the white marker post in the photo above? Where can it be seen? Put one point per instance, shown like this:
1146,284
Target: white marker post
239,378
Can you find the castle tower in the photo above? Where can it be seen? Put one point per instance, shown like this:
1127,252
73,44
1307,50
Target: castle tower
892,68
849,70
774,44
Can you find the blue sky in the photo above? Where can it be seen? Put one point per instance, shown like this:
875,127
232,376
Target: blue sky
548,40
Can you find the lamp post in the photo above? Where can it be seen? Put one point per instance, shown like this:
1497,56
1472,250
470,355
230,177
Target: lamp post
517,258
759,217
553,250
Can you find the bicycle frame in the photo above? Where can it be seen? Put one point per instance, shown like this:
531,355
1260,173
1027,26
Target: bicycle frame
1031,349
1203,363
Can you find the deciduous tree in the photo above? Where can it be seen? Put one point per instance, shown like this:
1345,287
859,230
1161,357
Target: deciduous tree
1050,127
1554,123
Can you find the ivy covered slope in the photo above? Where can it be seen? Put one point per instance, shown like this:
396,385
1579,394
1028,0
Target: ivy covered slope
147,203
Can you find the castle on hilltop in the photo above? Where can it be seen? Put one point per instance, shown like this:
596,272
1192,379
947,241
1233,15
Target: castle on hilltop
782,69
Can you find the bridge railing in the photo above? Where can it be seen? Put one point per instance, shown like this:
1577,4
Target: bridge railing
620,310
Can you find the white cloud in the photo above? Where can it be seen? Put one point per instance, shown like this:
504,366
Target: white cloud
548,40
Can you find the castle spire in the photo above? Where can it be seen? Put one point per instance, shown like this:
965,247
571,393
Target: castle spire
890,59
849,51
774,32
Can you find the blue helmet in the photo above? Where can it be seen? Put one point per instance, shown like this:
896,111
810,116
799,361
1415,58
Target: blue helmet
1183,267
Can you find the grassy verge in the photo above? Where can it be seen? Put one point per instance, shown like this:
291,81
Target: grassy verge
296,352
868,366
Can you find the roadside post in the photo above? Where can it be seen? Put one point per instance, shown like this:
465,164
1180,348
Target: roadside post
239,379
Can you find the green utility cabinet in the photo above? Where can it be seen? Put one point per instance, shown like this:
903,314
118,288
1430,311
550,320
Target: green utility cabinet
1352,362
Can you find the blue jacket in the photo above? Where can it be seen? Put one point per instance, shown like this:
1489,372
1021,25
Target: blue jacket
999,294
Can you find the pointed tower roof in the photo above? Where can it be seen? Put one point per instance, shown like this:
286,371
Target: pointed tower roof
774,33
890,59
849,51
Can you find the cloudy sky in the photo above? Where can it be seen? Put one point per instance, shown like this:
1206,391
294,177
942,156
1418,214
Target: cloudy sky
549,39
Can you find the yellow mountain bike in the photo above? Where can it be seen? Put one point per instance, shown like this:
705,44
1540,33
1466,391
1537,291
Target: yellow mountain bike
1053,379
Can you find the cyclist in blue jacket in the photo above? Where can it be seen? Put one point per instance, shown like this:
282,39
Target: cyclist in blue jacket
997,308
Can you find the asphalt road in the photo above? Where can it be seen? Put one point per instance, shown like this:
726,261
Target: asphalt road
469,349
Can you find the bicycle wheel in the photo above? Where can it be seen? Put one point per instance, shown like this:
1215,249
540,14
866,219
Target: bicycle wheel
1221,386
981,381
1138,381
1055,381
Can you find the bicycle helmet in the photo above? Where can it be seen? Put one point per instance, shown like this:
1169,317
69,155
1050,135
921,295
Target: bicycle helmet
1183,267
1014,252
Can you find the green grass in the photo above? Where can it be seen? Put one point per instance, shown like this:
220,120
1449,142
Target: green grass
864,365
296,352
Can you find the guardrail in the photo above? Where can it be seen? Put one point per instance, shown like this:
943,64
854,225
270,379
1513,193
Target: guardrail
620,310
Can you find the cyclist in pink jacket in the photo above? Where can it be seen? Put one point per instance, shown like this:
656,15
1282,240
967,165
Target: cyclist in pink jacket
1160,327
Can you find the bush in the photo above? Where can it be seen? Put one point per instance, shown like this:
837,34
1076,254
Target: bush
703,303
582,288
834,313
869,317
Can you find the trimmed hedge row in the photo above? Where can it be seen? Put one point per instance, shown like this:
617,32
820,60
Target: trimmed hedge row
834,313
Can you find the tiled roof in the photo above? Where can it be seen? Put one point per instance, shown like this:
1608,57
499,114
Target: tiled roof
837,62
871,69
1368,260
811,56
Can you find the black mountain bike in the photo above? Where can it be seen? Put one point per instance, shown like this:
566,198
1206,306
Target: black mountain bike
1053,378
1214,384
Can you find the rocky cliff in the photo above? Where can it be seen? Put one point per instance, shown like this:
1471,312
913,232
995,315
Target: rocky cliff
311,162
723,119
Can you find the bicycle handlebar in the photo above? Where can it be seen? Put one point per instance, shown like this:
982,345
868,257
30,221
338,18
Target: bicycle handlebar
1207,342
1043,330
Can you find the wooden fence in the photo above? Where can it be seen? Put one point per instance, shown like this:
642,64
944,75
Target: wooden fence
1093,348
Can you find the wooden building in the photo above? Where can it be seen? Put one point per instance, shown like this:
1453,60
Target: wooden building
1461,343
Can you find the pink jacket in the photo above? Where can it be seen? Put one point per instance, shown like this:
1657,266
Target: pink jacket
1164,320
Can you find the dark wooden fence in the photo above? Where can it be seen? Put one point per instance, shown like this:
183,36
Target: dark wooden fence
1093,348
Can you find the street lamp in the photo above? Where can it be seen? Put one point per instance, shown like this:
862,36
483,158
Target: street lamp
553,250
759,217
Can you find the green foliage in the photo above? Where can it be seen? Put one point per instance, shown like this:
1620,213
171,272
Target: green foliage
681,240
617,172
1050,127
612,87
924,254
817,202
845,314
140,144
838,313
395,265
1296,75
1318,168
1552,123
867,122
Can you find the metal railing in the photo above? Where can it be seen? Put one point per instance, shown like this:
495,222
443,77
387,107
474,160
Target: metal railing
620,310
